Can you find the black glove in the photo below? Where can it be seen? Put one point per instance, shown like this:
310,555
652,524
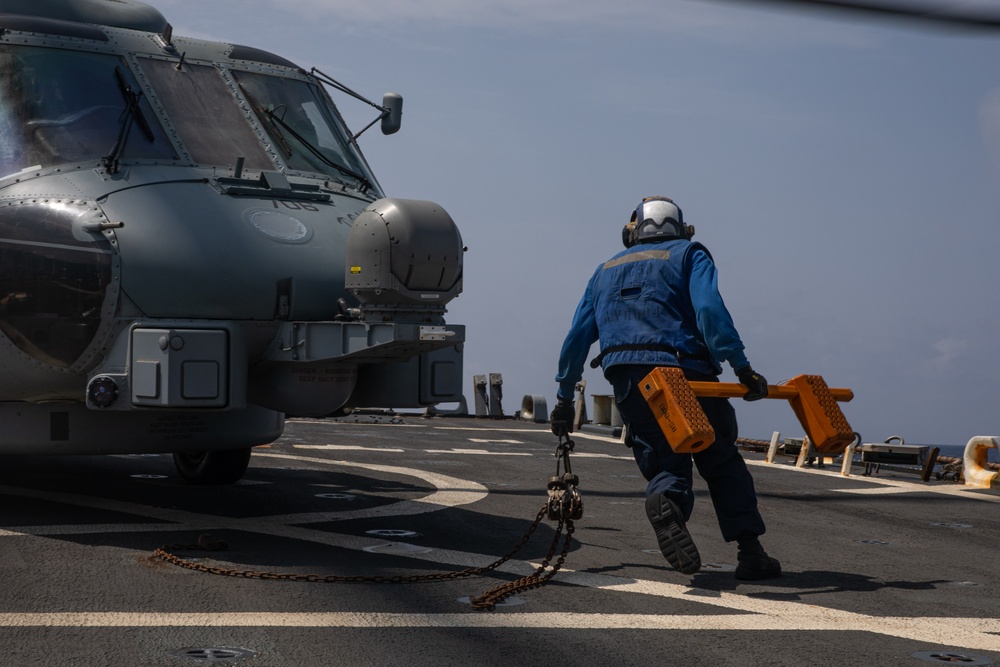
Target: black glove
754,381
563,416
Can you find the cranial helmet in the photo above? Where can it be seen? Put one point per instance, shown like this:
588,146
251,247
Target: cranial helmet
656,219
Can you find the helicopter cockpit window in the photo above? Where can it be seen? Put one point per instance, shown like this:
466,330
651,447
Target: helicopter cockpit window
300,120
60,106
211,124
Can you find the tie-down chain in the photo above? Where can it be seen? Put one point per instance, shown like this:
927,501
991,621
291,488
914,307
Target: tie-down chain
565,503
564,506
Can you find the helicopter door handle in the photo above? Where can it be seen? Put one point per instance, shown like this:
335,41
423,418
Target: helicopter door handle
281,345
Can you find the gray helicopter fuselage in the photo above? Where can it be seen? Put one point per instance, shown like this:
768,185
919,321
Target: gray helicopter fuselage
192,245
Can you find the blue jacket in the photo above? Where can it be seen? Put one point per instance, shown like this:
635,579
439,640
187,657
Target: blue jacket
656,299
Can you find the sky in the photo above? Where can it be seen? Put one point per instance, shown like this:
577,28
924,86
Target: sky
843,172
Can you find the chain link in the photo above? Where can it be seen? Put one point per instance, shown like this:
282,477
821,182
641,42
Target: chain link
564,505
491,598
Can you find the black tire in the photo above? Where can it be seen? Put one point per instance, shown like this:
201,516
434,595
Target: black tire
225,467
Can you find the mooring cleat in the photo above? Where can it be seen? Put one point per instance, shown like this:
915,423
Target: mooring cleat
672,535
757,566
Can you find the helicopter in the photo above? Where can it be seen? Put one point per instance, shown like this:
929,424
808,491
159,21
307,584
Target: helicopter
193,246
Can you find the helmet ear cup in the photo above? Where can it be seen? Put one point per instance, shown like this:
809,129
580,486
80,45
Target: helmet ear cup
630,235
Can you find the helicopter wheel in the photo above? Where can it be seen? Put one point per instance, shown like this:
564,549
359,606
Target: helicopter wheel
223,467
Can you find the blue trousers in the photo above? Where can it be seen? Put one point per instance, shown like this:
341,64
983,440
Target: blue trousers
667,472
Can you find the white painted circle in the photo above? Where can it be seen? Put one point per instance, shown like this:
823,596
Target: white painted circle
279,226
397,548
389,532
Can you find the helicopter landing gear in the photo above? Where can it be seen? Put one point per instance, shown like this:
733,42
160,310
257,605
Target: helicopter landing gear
224,467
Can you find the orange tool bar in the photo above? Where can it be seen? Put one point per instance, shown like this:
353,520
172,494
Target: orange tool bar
734,390
674,402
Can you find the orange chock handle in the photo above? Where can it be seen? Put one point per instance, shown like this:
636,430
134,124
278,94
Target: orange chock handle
736,390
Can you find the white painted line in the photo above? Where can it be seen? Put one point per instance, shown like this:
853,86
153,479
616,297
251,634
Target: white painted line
588,455
476,452
487,441
355,448
599,438
880,491
543,431
334,424
968,633
883,485
99,529
482,429
448,492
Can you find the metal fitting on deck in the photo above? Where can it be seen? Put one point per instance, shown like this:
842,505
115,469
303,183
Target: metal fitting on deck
974,465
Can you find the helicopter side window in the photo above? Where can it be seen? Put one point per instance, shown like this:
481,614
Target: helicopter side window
300,119
205,113
59,106
53,284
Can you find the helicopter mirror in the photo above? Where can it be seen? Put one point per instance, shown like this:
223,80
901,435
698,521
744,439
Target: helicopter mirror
392,118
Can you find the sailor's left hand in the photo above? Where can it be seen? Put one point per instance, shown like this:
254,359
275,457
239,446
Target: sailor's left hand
563,416
755,383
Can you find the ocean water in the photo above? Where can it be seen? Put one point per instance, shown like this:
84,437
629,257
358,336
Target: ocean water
958,451
954,451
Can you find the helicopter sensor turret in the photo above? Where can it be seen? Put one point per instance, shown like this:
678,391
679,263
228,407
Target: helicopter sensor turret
404,260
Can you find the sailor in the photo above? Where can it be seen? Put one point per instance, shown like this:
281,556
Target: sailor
657,303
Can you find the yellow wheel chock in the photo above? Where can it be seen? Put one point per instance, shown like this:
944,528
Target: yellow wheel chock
674,401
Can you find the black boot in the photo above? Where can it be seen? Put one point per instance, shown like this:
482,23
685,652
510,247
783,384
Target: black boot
672,535
753,563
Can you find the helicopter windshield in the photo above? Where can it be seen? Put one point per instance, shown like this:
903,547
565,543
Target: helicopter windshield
211,125
313,139
60,106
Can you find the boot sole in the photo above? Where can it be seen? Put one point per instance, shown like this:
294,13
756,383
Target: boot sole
672,535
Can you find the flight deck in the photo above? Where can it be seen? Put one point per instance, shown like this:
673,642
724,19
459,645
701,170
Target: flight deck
878,570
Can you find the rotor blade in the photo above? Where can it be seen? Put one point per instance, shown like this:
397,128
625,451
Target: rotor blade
938,14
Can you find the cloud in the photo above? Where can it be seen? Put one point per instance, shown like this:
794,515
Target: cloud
486,13
722,21
948,350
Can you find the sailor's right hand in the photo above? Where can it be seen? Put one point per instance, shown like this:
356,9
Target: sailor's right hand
562,417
